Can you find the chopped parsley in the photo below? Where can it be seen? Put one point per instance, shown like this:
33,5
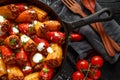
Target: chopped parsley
5,17
12,42
40,60
16,26
23,42
54,50
30,29
0,55
13,54
24,67
45,70
17,50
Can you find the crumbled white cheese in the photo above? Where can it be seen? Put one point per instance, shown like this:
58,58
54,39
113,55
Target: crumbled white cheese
49,50
27,68
17,46
15,30
24,38
31,11
35,22
43,25
51,21
26,7
2,19
41,46
8,70
37,57
30,25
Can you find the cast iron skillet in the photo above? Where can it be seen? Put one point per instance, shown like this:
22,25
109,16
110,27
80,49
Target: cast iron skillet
67,27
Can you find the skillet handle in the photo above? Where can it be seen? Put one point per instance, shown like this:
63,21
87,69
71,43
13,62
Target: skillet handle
96,17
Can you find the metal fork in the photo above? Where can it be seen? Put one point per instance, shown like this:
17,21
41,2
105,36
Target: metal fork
76,8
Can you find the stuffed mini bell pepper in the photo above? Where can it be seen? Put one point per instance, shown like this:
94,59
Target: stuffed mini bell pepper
12,11
54,57
28,44
13,41
32,76
14,73
3,69
7,55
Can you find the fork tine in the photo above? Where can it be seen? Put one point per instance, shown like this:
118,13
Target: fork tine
70,2
74,1
66,3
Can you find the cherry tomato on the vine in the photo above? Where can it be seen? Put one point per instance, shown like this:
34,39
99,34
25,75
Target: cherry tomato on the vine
77,75
82,65
95,74
97,61
88,78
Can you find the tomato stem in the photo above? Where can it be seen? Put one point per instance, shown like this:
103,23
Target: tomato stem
88,70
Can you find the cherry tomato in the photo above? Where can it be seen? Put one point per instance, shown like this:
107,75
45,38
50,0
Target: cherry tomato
76,37
94,73
88,78
77,75
97,61
82,65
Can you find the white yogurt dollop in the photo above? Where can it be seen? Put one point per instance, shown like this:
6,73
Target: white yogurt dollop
15,30
40,46
37,57
27,68
24,38
2,19
49,50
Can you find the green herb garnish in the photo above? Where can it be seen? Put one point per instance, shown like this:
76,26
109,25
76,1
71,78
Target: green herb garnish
54,50
5,17
40,60
12,42
16,26
30,29
13,54
23,42
45,70
17,50
0,55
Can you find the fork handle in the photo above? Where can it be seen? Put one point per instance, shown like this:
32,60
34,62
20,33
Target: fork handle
96,17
